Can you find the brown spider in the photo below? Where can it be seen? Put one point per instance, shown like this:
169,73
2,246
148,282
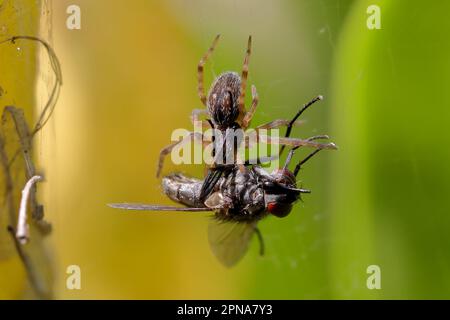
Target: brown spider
225,107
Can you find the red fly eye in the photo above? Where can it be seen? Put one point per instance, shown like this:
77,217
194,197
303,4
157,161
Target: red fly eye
279,209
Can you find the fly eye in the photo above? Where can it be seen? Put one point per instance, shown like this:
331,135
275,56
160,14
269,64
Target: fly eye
279,209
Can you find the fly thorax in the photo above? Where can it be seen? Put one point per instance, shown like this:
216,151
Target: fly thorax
247,198
254,200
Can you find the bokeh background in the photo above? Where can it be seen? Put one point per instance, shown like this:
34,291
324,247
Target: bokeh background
130,79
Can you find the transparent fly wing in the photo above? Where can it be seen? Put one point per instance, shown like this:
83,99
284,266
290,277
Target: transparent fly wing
150,207
229,241
217,201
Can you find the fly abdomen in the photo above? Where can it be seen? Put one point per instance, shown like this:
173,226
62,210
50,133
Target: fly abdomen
183,190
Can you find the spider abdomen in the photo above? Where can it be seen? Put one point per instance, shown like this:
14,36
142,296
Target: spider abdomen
223,99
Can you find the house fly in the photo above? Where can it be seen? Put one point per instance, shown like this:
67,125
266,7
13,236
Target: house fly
239,200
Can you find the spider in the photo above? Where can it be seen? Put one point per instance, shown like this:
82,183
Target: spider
225,109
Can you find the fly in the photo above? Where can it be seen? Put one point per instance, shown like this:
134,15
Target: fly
239,200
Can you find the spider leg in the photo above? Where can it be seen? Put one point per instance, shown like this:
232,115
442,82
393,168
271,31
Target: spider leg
266,159
260,160
197,136
294,142
195,118
200,69
249,115
244,77
318,137
196,113
278,123
292,151
250,143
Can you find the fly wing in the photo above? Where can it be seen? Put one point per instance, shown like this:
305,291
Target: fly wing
218,201
229,241
150,207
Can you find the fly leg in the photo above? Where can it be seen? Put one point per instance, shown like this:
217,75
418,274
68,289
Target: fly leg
261,241
299,113
299,165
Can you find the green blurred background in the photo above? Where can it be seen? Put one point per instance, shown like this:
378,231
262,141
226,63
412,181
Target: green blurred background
130,79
